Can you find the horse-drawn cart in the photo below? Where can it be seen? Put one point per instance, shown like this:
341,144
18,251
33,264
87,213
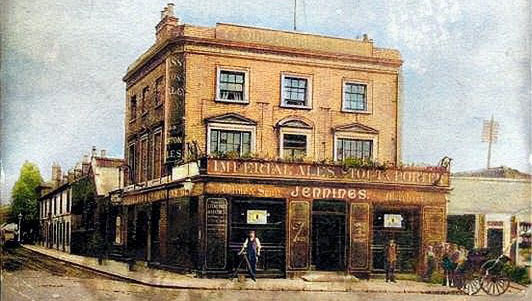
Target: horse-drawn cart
479,272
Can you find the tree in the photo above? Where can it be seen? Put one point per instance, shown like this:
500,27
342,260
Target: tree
24,197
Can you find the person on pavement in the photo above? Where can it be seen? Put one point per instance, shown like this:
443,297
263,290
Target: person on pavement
391,259
251,248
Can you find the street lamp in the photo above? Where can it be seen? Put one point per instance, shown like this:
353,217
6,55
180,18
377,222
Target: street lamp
19,230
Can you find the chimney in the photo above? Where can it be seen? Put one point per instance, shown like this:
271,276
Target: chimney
103,153
56,174
166,27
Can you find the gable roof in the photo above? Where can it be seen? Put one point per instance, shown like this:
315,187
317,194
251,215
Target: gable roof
357,128
231,118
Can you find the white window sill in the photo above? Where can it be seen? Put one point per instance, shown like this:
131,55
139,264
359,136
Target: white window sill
296,107
356,111
240,102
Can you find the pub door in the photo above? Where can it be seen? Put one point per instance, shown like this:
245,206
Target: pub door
328,235
401,225
141,236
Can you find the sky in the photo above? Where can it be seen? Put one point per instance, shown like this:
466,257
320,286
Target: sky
464,61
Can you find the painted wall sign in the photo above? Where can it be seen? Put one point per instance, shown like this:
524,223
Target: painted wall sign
359,242
298,235
427,177
216,233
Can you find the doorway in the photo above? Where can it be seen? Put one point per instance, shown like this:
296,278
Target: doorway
328,235
141,236
495,245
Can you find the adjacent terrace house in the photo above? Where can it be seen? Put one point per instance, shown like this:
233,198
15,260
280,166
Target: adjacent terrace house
72,206
297,136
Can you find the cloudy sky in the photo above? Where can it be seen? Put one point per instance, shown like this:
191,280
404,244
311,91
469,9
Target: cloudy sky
62,63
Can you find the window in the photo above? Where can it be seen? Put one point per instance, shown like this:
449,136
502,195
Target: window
224,141
68,200
118,228
67,233
353,148
61,203
355,97
232,85
294,146
145,91
131,162
159,91
295,91
157,138
133,107
143,159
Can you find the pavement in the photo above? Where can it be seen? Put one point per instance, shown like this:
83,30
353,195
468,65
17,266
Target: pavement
165,279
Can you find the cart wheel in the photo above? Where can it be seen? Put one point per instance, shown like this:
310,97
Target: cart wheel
495,285
471,286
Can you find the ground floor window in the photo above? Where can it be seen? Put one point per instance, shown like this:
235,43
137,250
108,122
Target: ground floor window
267,218
401,225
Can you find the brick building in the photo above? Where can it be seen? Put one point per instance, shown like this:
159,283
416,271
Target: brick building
234,128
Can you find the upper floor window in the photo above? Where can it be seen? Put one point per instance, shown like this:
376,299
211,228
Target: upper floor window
145,91
232,86
347,148
355,97
133,107
226,141
159,91
294,146
295,91
131,162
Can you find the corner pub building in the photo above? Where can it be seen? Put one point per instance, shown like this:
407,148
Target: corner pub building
234,128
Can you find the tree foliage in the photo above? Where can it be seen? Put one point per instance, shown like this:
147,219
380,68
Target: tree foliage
24,194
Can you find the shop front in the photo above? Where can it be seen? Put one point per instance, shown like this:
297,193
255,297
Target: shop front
308,217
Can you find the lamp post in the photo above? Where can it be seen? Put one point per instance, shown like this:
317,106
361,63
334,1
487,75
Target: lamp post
19,229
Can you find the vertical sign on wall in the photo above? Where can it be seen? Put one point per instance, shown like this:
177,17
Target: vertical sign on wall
359,236
216,233
176,108
434,225
298,234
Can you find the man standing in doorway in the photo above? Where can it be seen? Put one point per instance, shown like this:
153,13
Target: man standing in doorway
391,259
252,248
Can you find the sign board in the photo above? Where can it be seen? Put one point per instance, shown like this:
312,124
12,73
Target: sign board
393,221
259,217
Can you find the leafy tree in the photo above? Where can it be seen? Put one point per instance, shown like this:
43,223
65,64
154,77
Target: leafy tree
24,197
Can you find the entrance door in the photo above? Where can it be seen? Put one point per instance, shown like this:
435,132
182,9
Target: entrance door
141,235
328,235
495,241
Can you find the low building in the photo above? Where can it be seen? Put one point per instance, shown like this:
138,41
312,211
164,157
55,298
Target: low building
490,209
69,204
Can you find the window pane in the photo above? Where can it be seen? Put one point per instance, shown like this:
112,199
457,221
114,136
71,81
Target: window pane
354,148
355,97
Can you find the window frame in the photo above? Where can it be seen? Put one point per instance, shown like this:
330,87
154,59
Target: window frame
357,136
368,96
133,108
232,127
245,92
308,92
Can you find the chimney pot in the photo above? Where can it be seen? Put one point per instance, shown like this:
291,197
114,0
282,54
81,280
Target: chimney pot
170,7
102,153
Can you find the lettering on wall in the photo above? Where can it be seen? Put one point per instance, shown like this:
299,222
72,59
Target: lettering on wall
359,243
298,234
435,177
216,233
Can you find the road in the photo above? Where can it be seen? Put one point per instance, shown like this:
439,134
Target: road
30,277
